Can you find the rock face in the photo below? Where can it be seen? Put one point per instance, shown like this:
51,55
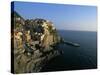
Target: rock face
34,41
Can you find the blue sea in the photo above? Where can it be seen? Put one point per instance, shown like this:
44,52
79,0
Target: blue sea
75,58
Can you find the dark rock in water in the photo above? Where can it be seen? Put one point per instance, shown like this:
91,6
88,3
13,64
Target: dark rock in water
32,44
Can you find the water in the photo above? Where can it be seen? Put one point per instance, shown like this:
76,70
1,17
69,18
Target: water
83,57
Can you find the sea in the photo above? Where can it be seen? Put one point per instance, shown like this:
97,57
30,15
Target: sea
75,58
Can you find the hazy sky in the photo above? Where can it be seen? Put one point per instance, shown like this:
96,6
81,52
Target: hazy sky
64,17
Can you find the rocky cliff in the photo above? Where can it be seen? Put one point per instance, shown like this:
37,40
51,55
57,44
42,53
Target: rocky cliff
34,42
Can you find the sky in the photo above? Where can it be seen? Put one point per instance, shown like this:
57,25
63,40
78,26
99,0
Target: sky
63,16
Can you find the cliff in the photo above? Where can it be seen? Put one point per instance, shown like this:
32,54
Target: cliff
34,43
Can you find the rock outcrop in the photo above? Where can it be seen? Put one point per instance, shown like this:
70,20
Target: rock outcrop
35,43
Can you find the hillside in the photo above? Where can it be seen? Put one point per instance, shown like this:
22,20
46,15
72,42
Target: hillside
35,43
